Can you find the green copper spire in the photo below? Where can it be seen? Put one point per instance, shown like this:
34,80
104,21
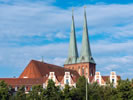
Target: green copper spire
73,52
85,55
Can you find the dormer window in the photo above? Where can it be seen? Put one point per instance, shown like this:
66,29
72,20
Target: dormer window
91,58
83,71
113,80
67,81
97,80
52,76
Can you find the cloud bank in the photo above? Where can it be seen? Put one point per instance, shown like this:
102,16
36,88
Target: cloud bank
30,30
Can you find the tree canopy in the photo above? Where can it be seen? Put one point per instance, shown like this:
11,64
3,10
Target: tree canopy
123,91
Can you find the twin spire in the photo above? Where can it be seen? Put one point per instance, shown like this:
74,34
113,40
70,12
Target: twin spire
85,55
73,52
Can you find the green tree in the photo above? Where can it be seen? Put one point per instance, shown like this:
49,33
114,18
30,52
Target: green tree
81,88
74,94
20,95
110,93
11,93
125,90
35,93
66,92
52,92
3,91
94,91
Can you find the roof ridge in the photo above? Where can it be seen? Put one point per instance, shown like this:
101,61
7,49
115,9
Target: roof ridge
29,67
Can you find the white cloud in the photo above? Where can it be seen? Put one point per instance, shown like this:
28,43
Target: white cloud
60,35
57,61
104,47
49,22
31,19
125,60
111,67
124,74
20,56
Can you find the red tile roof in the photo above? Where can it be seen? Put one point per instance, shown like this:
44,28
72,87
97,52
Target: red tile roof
119,77
37,73
74,78
59,78
91,78
106,78
24,81
37,69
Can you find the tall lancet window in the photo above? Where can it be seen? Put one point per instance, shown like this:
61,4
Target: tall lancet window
82,70
79,70
86,70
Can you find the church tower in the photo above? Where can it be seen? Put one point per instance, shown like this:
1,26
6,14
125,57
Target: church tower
85,64
73,52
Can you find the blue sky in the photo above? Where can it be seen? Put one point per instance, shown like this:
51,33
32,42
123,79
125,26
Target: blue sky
30,29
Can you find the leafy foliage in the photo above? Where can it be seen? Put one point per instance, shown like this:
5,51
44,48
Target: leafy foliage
35,93
20,95
52,92
123,91
3,91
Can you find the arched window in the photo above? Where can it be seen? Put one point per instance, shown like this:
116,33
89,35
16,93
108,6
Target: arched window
97,80
113,80
79,70
82,70
67,81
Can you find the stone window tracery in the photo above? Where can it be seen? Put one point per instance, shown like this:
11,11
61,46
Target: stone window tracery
82,70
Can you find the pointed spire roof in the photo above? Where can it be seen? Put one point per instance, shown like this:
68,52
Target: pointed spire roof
73,52
85,55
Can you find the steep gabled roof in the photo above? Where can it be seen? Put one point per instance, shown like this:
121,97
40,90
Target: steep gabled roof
91,78
37,69
59,78
106,78
74,78
31,71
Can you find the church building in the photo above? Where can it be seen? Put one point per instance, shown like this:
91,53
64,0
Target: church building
39,72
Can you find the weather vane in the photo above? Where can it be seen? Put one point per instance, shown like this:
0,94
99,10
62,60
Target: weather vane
85,7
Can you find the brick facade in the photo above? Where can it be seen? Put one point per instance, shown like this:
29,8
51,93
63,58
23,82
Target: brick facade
83,68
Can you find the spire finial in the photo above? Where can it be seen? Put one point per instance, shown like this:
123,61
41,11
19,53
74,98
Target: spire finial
72,11
85,10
